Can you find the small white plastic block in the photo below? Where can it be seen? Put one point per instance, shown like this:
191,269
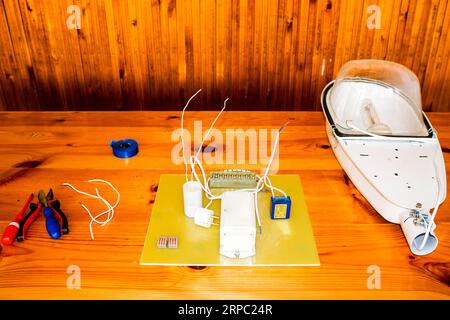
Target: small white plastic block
203,217
172,242
192,196
162,242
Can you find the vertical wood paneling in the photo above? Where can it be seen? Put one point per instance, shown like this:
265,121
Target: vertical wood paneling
436,73
300,59
98,42
197,49
221,49
39,25
2,100
264,54
442,103
17,77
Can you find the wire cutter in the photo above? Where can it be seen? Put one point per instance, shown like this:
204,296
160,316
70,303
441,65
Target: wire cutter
55,220
32,215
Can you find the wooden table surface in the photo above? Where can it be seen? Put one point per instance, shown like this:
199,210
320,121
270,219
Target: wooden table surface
43,150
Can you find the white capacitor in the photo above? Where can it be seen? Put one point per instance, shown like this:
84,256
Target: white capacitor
192,196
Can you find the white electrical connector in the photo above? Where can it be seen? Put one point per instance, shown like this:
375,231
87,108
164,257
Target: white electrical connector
204,217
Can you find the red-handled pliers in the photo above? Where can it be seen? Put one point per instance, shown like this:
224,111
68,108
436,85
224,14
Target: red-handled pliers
33,214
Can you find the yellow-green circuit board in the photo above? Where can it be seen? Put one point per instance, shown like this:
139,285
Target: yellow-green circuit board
282,242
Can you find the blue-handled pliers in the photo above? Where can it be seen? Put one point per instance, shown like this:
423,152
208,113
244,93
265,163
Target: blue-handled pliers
55,220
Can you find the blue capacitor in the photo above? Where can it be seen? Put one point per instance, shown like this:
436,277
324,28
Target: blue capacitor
126,148
280,208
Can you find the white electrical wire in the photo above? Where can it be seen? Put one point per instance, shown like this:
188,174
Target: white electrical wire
265,177
194,161
373,135
109,212
257,205
265,180
182,133
268,183
212,126
353,127
209,203
438,200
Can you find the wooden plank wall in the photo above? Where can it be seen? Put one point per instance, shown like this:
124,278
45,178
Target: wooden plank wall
264,54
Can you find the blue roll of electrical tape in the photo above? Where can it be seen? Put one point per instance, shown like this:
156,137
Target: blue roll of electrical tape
126,148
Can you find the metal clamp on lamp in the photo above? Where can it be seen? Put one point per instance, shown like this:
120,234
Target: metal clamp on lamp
414,227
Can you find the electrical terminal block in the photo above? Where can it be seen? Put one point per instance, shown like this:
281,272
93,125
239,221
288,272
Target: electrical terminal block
167,242
233,179
204,217
162,243
172,242
280,208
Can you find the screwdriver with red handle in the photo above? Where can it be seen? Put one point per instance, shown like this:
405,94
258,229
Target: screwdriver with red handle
11,230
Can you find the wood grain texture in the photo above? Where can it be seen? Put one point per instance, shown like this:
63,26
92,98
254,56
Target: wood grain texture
264,54
43,150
